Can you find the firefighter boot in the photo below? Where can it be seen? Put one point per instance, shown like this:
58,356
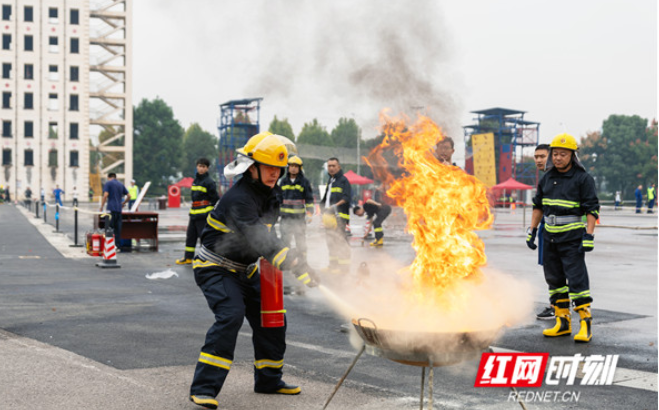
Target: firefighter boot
377,243
207,402
184,261
585,329
563,325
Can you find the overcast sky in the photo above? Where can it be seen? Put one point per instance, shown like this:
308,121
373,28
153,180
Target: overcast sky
568,64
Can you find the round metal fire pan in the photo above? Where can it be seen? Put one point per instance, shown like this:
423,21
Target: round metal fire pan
418,349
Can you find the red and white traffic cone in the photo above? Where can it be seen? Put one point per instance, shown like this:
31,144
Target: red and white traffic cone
109,254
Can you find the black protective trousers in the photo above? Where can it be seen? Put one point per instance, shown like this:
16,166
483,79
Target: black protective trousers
233,297
294,227
565,272
380,216
195,227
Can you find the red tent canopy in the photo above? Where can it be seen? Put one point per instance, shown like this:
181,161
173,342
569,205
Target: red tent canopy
356,179
511,185
185,182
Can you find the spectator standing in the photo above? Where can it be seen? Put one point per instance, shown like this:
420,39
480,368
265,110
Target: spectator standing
639,199
133,191
28,198
618,200
652,195
540,157
113,193
7,195
42,195
74,194
58,192
91,194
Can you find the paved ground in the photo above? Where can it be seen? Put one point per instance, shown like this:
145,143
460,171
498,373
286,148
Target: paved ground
73,335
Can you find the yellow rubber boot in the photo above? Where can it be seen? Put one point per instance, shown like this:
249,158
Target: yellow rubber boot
377,243
563,325
585,329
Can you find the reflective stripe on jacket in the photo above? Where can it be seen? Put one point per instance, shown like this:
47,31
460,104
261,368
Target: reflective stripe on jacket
296,197
341,189
204,196
566,194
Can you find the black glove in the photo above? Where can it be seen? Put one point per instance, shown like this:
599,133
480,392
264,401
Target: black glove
587,243
530,239
306,275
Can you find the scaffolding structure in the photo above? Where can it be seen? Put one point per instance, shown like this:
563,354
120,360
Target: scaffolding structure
239,120
512,135
111,106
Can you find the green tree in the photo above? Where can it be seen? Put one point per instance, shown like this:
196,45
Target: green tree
626,154
592,148
346,133
197,143
157,144
282,127
314,134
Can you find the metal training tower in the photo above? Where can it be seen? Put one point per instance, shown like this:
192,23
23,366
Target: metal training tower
512,134
236,127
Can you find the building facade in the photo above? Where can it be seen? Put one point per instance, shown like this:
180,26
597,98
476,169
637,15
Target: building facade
45,96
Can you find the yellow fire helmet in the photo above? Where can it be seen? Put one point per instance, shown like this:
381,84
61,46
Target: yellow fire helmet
290,145
252,142
294,160
268,151
565,141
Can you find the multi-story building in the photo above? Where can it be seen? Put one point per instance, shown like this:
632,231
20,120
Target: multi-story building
47,122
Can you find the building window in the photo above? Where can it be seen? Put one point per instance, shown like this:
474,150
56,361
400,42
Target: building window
29,129
75,46
6,99
6,128
53,73
6,41
73,102
29,46
53,104
28,13
28,71
53,46
74,70
6,70
75,16
73,158
52,130
6,156
52,158
29,101
6,12
52,15
29,157
73,130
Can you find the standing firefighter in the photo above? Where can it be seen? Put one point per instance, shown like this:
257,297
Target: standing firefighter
565,193
296,205
204,196
336,214
239,230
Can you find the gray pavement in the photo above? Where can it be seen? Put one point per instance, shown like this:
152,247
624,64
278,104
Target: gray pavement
73,335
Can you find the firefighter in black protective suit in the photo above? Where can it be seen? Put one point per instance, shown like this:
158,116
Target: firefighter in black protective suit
238,232
296,205
565,194
204,197
336,215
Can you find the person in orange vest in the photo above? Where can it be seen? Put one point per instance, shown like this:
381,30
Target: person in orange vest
204,196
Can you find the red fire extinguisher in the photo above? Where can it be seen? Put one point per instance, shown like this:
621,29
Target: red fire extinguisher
272,295
96,244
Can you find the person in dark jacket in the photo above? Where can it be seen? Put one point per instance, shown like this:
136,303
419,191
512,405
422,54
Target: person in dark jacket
565,194
374,208
239,231
296,205
204,197
336,215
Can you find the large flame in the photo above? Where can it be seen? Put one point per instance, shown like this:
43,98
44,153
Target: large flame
443,204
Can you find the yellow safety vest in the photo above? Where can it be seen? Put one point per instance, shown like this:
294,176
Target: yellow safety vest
133,192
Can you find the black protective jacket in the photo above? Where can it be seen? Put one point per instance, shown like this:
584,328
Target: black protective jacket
296,198
241,226
204,196
566,194
340,190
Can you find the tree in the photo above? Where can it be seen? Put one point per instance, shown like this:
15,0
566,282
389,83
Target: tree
314,134
346,133
157,144
197,143
625,155
282,127
592,147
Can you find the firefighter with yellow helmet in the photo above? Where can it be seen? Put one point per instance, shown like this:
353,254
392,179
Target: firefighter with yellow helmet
564,195
296,205
239,230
